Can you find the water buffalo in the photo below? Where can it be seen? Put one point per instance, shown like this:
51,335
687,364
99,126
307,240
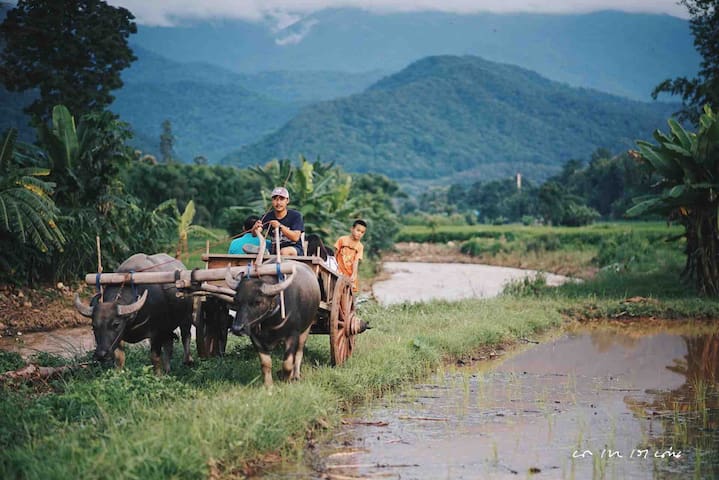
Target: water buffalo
121,317
259,314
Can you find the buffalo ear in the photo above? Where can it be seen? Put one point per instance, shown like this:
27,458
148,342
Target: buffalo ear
124,310
85,310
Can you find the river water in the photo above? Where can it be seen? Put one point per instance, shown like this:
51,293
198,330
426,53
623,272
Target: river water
586,404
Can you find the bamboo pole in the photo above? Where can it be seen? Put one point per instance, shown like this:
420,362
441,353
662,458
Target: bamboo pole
99,262
279,262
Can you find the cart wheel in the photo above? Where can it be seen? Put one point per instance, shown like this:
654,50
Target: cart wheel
342,318
198,319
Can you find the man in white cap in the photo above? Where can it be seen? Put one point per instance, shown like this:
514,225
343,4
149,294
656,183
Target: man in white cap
289,222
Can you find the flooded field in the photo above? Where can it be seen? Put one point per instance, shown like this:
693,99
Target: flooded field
587,404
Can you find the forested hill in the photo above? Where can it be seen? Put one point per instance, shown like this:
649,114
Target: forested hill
460,117
214,111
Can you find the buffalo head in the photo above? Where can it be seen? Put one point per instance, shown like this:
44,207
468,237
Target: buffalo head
256,299
109,320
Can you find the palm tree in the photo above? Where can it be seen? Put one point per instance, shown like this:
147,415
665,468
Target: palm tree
27,210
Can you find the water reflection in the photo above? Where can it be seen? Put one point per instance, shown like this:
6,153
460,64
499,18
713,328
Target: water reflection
687,418
589,404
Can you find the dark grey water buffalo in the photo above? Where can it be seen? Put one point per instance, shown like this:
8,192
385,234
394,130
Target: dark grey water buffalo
121,317
259,314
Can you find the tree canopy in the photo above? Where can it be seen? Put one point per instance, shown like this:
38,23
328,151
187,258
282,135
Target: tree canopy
71,51
704,89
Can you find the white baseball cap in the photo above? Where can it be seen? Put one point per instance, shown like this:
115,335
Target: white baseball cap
281,191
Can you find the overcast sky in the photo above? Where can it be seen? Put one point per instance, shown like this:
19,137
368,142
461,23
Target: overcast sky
283,13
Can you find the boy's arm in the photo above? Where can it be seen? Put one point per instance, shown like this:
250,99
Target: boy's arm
355,269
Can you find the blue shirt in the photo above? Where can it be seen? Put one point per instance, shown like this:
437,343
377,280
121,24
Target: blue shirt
246,239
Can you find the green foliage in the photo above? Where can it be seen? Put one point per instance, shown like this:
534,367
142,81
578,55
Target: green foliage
85,160
622,251
465,118
27,211
213,188
10,361
71,51
687,164
481,246
530,286
543,237
704,89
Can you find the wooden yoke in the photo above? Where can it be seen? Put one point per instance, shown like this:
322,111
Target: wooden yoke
184,278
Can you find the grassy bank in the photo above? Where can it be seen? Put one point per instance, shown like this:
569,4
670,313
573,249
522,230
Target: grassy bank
110,424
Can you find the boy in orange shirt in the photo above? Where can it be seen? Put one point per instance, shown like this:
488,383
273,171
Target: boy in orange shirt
349,251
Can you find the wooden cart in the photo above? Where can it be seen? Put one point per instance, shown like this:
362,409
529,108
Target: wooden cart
337,316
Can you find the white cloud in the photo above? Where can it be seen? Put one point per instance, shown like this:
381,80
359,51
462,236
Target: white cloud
295,37
287,12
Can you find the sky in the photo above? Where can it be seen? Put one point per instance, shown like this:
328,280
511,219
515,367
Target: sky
279,14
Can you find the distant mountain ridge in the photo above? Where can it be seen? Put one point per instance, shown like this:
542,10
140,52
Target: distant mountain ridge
625,54
460,117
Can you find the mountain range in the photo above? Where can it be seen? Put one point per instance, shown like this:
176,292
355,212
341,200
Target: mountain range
622,53
450,117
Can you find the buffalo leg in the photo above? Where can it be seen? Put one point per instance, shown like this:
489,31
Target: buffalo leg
288,363
300,354
266,364
167,345
186,337
120,355
156,354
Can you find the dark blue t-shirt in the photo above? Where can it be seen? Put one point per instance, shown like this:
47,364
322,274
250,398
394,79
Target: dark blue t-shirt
293,220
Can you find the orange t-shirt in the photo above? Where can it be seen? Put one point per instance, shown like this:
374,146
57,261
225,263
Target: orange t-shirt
346,252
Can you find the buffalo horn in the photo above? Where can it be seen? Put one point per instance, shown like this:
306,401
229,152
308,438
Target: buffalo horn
272,289
123,310
230,281
85,310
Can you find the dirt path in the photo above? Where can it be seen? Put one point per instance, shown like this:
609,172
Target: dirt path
419,282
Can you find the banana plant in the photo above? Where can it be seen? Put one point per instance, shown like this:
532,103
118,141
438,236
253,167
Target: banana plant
687,164
185,228
27,209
